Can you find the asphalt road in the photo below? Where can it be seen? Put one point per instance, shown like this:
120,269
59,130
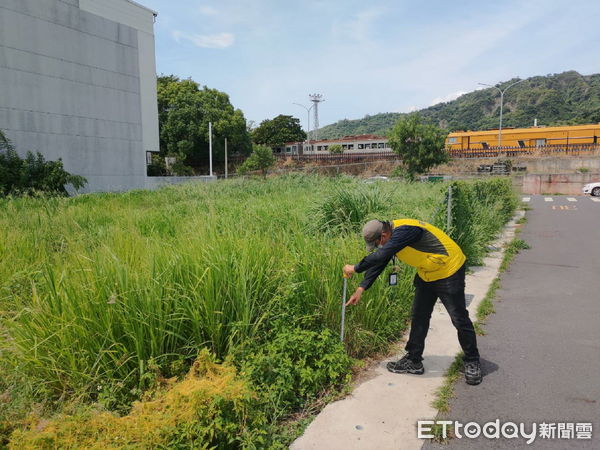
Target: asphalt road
541,353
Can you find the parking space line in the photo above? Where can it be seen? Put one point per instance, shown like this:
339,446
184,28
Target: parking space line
526,199
571,199
548,199
595,199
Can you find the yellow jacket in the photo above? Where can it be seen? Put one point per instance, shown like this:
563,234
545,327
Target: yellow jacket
435,255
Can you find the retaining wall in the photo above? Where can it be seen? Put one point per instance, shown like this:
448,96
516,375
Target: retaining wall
157,182
569,184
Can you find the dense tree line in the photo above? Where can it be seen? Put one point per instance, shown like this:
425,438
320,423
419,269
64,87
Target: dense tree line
279,130
184,112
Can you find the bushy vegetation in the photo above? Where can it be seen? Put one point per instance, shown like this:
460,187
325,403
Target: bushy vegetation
419,144
336,149
561,99
479,210
261,159
33,174
184,111
277,131
108,299
346,209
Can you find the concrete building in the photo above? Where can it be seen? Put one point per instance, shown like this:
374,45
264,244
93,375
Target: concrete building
78,82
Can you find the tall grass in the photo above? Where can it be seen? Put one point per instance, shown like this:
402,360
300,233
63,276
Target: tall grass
479,211
101,293
100,287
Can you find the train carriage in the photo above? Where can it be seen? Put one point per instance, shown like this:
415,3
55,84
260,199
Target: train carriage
524,139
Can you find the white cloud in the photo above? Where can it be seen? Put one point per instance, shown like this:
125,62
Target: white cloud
447,98
208,11
220,40
358,28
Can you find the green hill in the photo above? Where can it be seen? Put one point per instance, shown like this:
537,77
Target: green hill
567,98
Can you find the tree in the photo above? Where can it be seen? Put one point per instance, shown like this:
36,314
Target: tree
420,145
4,142
336,149
278,131
261,159
184,111
33,174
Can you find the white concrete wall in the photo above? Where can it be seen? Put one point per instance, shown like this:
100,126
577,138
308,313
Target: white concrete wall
72,86
158,182
141,18
126,12
149,96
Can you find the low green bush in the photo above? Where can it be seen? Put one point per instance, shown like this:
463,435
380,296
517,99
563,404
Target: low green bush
296,366
33,174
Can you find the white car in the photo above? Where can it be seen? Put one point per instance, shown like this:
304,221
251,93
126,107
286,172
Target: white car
592,188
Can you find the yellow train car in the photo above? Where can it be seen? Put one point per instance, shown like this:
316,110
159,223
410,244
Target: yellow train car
525,137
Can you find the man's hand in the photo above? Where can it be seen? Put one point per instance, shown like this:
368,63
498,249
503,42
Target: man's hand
348,270
355,298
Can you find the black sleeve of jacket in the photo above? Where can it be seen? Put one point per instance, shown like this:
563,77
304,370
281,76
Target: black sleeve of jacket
374,263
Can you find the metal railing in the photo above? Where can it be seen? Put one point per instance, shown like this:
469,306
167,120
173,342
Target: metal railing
334,158
551,149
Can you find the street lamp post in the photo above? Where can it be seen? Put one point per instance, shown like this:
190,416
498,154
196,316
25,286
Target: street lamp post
210,173
307,119
502,91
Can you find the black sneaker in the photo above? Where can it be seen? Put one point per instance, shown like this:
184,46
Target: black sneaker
406,365
472,371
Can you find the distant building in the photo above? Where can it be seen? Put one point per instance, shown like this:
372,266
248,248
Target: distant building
525,137
363,143
78,82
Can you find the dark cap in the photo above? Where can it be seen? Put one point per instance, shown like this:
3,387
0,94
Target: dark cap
372,233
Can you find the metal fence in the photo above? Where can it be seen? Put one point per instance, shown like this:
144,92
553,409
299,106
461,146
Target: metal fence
552,149
491,152
334,158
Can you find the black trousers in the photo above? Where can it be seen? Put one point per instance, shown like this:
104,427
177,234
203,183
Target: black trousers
451,291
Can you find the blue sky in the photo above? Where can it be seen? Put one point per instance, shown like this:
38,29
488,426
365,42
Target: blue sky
368,57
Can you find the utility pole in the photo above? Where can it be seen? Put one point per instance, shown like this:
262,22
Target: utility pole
210,148
225,158
307,119
502,91
316,99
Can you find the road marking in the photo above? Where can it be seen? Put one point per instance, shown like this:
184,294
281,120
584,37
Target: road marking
548,199
526,199
564,207
571,199
595,199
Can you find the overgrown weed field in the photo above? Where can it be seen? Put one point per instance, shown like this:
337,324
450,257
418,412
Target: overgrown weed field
108,299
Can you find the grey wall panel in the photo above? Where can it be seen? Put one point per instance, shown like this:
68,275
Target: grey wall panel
40,37
68,15
56,68
32,121
70,89
37,92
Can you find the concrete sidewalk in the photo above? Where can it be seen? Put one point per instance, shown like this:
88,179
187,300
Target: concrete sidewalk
382,412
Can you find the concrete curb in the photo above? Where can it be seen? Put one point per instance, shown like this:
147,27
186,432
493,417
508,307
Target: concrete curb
383,411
